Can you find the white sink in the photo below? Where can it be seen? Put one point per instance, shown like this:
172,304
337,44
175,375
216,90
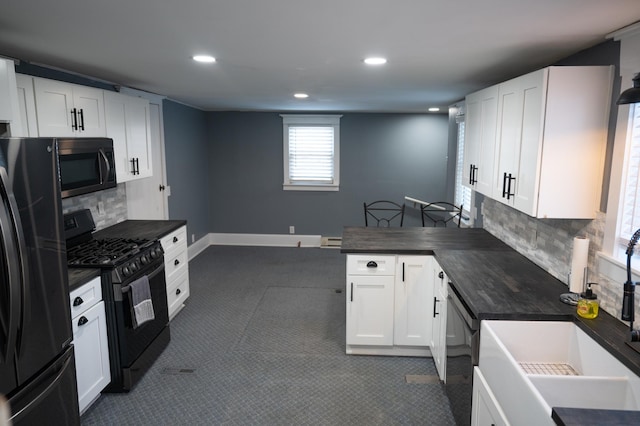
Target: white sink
532,366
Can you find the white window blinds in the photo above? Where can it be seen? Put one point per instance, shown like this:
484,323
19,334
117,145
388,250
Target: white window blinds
311,148
311,154
630,218
462,193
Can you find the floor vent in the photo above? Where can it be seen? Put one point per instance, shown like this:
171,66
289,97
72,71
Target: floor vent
176,371
421,379
331,242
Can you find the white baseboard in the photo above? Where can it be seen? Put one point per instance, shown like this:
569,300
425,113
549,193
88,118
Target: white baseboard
271,240
199,246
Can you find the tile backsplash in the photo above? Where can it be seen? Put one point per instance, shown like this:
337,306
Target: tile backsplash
549,242
108,206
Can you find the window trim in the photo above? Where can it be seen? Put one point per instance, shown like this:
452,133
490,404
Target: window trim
612,258
318,121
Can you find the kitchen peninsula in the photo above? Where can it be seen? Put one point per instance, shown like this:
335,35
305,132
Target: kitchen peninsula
494,282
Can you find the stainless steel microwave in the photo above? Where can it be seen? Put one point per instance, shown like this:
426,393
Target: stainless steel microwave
86,165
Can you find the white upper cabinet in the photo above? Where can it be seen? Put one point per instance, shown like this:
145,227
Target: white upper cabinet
66,109
128,124
550,140
9,107
27,106
480,134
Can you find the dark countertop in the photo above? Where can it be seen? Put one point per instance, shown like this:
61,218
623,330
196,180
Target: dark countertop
495,281
585,417
81,276
417,240
142,229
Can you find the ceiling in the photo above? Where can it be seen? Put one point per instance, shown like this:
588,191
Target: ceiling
267,50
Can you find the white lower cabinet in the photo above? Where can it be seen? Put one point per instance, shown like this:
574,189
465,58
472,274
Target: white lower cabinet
176,269
90,342
486,410
388,305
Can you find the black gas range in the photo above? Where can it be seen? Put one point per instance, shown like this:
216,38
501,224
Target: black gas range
132,348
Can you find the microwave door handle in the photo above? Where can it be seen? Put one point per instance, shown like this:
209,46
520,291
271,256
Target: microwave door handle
12,251
105,162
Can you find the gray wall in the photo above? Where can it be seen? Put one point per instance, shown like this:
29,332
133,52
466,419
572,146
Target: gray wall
382,156
187,164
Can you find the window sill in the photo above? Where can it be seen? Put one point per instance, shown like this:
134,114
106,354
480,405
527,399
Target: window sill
310,188
614,269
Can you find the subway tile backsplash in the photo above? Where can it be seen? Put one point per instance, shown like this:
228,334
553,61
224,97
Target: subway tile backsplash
108,206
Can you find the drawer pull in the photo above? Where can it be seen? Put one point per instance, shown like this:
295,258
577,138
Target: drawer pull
78,301
352,292
178,292
435,301
82,321
372,264
176,262
175,239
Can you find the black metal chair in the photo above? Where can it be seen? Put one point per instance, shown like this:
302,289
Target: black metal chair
441,213
383,213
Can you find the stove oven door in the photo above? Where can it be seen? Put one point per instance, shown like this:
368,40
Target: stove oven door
134,341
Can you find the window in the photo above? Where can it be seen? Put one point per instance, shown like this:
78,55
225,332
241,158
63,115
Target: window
629,220
462,193
311,152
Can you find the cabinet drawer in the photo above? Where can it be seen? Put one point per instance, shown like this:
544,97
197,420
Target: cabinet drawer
85,297
371,265
175,265
178,293
172,241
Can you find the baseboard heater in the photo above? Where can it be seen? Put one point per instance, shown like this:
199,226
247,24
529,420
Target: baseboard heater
331,242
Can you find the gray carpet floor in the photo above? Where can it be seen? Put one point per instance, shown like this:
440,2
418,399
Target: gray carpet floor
262,342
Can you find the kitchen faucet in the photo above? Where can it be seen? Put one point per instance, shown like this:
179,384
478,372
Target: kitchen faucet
629,287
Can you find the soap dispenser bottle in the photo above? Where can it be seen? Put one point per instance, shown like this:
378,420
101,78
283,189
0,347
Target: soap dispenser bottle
588,304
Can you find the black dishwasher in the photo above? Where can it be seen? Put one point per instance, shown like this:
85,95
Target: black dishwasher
462,355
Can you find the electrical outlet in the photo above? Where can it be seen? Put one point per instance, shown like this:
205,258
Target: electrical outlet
292,229
193,238
100,207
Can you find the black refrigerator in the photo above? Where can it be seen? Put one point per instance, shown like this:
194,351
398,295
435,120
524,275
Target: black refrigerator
37,367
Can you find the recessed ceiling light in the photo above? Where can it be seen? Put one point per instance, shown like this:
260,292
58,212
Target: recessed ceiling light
204,58
375,61
300,95
434,109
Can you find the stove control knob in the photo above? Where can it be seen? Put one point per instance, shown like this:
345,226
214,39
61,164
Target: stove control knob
133,266
144,259
153,253
126,271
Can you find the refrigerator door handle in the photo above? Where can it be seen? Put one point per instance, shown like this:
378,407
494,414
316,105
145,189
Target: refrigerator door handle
14,305
20,255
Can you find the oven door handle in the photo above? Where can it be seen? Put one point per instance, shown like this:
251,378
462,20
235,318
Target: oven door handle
156,271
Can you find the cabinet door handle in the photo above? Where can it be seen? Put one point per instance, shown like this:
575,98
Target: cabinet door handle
78,301
82,321
435,301
133,166
175,239
178,292
372,264
504,185
352,292
402,271
137,166
74,120
176,262
81,114
470,174
509,193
